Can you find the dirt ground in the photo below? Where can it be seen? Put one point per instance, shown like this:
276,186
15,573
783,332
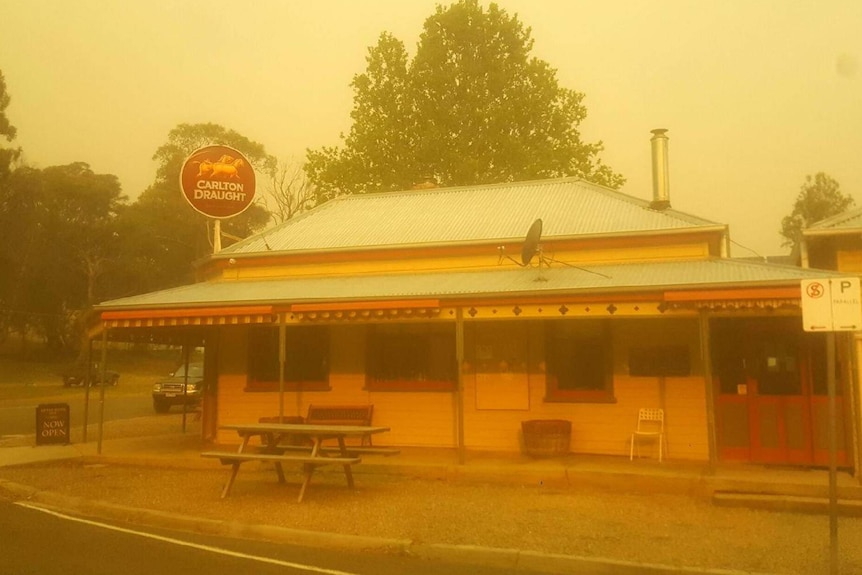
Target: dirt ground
671,529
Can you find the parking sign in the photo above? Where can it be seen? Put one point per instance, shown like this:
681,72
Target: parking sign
833,304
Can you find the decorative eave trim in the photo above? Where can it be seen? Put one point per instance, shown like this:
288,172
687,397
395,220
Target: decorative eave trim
189,317
367,310
739,304
716,295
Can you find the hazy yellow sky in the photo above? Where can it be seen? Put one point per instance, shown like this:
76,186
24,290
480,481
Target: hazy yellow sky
755,94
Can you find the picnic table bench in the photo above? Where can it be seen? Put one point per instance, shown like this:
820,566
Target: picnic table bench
359,414
349,449
276,451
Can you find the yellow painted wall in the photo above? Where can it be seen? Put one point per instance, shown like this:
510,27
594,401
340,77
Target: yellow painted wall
422,419
599,428
850,261
503,359
417,263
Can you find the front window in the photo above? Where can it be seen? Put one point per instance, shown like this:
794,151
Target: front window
578,355
411,357
306,364
659,361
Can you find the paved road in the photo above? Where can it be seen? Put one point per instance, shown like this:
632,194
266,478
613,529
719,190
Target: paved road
49,543
21,419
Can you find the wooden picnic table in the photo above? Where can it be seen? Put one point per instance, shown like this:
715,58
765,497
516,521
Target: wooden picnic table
277,447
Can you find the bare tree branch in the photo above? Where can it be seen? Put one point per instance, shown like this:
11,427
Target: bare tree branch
289,191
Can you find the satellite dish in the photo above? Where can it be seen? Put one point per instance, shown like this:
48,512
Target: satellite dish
531,243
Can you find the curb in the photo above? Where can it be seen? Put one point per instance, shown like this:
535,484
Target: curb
787,503
510,559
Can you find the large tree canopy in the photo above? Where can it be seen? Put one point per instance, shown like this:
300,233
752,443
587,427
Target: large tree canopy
161,234
471,107
819,198
7,131
68,239
59,230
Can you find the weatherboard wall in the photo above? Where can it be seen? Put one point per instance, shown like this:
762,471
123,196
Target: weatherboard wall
504,385
459,258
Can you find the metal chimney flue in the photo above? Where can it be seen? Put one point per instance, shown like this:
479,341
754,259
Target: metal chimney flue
660,177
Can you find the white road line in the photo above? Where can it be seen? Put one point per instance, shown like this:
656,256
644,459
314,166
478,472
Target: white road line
209,548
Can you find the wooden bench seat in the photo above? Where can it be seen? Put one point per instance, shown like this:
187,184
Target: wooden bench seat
351,449
235,459
340,414
227,458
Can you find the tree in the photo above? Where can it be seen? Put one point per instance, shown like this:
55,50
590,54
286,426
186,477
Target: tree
290,192
472,107
161,234
819,198
60,226
20,196
8,131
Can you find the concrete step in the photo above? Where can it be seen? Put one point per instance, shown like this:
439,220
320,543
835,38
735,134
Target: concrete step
787,503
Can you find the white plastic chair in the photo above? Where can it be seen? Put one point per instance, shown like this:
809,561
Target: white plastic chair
650,426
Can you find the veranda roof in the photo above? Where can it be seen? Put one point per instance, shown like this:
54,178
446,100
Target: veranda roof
676,276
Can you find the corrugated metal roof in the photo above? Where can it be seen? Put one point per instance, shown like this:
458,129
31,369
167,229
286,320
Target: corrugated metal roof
508,280
845,221
568,207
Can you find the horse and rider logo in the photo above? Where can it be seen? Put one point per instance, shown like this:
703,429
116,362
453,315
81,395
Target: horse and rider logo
226,166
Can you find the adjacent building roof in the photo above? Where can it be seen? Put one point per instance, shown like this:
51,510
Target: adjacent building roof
508,280
569,207
845,222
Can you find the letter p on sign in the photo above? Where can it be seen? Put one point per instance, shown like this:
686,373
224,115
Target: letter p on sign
831,304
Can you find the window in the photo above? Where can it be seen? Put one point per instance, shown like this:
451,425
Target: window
659,360
411,357
578,357
306,358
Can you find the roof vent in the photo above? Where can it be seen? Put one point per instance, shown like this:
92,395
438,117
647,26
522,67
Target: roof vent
425,183
660,178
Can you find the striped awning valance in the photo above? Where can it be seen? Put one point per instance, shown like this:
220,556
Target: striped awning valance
188,317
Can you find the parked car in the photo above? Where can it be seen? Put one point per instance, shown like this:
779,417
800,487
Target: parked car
77,375
169,391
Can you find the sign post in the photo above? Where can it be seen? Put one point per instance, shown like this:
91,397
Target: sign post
831,305
219,182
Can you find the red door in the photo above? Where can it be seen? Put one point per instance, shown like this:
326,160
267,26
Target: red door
771,404
778,401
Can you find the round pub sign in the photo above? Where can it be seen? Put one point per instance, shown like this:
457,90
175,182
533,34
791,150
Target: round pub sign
218,181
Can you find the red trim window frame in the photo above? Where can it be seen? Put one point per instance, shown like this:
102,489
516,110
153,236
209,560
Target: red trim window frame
306,365
579,359
411,357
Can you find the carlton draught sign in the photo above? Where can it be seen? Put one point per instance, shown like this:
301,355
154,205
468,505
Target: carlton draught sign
218,181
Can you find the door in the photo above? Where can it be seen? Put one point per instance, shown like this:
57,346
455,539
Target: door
779,399
771,394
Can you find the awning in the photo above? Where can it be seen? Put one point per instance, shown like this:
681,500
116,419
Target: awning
732,299
209,316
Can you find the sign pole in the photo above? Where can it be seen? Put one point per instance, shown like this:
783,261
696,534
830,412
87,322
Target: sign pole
833,455
87,387
102,390
830,305
217,236
282,358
